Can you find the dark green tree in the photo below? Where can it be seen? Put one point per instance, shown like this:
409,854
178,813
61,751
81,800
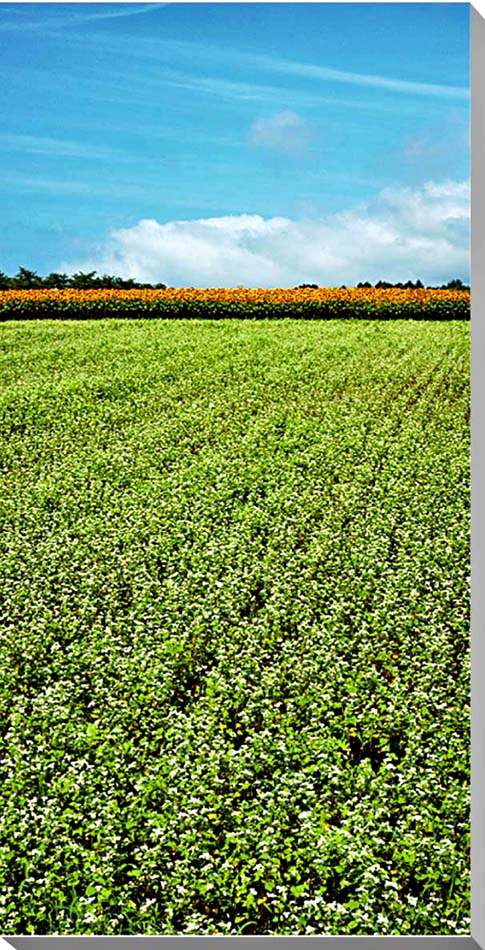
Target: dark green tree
26,279
84,281
455,284
56,281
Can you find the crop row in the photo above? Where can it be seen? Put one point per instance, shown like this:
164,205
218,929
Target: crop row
216,303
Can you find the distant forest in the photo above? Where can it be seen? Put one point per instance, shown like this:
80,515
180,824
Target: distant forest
29,280
455,284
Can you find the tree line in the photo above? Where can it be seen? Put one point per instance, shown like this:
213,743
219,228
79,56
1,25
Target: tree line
455,284
29,280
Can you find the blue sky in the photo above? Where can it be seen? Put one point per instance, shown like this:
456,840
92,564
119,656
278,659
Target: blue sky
236,143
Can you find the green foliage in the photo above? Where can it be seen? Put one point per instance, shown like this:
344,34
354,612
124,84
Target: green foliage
234,604
55,280
26,279
82,280
93,280
455,284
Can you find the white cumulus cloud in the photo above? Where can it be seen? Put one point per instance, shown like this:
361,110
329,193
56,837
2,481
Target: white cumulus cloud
403,233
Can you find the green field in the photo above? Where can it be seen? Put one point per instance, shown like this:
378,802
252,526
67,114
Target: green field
235,627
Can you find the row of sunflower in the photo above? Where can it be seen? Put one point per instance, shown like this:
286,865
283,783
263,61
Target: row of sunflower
260,303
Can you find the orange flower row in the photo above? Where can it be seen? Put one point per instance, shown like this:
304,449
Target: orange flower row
250,295
302,302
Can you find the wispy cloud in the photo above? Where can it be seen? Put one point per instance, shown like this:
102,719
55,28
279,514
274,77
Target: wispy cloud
403,233
60,186
125,88
429,148
123,11
131,84
281,132
228,89
74,17
322,73
202,55
326,74
24,182
44,145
